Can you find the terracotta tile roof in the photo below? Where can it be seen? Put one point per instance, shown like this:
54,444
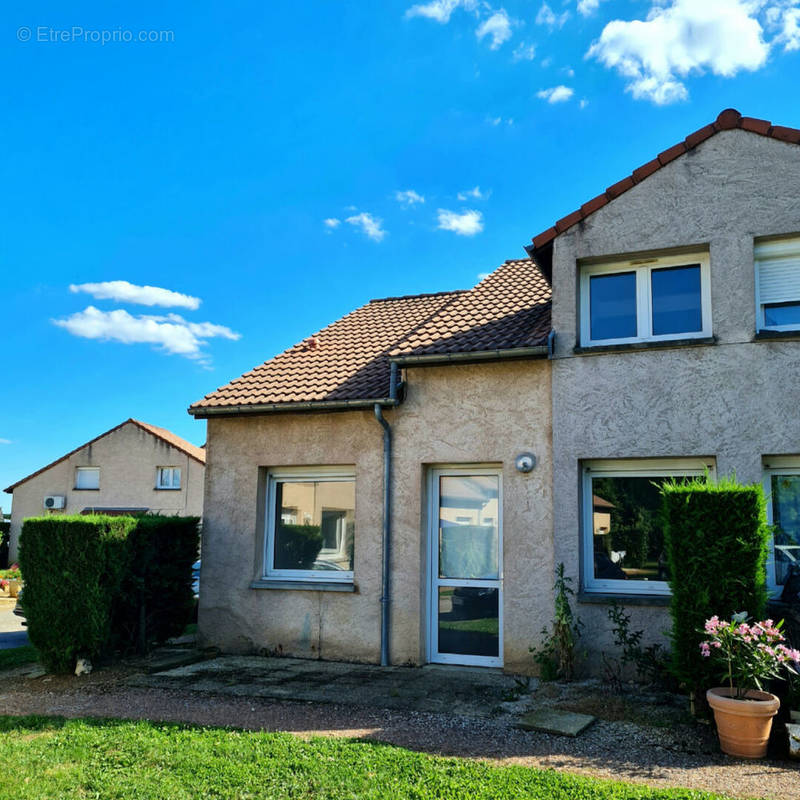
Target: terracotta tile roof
197,453
728,119
349,361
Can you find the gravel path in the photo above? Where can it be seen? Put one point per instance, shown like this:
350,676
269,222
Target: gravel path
619,750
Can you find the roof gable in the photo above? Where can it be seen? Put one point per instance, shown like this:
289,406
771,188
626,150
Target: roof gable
729,119
197,453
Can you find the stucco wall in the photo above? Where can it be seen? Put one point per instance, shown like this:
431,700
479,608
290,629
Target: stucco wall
452,415
127,458
735,400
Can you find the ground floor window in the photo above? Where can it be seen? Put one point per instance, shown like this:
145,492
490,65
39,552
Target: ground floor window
310,530
782,487
623,539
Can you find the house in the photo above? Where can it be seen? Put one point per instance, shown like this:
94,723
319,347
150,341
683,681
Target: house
134,467
400,486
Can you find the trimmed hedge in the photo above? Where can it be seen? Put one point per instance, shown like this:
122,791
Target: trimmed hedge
5,537
99,584
716,537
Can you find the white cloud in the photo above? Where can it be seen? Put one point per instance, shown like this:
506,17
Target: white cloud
440,10
466,223
142,295
588,7
483,275
788,19
524,52
584,103
467,193
495,121
556,94
171,333
370,226
5,441
498,27
679,39
332,223
548,17
408,197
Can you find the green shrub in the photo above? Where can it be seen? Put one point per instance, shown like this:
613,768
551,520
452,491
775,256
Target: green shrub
157,600
5,534
716,537
97,584
73,568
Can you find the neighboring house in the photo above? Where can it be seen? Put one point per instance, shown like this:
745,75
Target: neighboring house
400,486
134,467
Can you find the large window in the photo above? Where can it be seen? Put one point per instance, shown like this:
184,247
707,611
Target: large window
782,487
778,284
648,299
87,478
310,524
623,539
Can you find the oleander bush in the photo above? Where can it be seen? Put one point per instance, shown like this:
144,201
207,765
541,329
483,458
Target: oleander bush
96,585
716,537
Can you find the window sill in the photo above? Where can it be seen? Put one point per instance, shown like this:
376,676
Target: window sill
305,586
167,489
606,598
594,349
786,336
76,489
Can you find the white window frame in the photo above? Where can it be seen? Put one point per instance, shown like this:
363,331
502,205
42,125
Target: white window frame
628,468
300,475
160,484
643,268
773,250
776,465
434,581
86,470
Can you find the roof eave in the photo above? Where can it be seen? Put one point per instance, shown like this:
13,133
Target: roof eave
248,409
432,359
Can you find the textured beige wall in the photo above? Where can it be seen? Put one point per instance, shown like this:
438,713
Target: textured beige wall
127,459
734,400
453,415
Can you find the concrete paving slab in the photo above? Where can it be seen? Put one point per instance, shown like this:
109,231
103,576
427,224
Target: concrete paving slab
470,693
549,720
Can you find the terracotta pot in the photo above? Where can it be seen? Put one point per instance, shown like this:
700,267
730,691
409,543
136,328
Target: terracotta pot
743,725
13,588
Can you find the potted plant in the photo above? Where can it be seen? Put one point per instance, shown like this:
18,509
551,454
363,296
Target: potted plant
11,580
750,655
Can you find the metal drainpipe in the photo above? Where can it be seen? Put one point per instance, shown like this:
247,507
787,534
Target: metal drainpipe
387,495
387,516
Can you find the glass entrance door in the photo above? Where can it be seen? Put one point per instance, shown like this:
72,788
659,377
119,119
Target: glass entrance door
466,580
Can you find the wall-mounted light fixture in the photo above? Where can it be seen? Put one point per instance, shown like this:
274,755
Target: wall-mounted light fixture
525,462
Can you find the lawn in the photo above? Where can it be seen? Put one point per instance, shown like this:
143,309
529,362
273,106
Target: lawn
53,757
17,656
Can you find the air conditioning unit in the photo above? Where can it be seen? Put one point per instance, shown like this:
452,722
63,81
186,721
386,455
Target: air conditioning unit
55,501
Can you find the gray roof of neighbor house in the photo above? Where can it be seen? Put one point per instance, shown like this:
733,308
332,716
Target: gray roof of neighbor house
349,361
197,453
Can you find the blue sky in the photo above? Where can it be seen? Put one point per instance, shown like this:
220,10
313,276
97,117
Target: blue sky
436,138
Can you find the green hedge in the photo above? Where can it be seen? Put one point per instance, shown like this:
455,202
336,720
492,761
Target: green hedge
5,534
99,584
716,537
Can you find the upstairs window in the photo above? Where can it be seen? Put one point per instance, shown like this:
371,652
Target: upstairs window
778,284
87,478
644,300
168,478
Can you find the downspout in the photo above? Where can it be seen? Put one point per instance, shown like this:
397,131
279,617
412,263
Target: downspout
387,515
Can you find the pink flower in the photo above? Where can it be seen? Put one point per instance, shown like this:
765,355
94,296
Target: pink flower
705,650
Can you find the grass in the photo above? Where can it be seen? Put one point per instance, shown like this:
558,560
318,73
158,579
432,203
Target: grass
17,656
52,757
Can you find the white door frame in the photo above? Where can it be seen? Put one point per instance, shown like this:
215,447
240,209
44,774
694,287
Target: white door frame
434,581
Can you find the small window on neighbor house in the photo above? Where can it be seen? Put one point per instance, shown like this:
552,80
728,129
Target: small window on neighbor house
646,300
87,478
168,478
623,540
310,525
782,487
777,265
